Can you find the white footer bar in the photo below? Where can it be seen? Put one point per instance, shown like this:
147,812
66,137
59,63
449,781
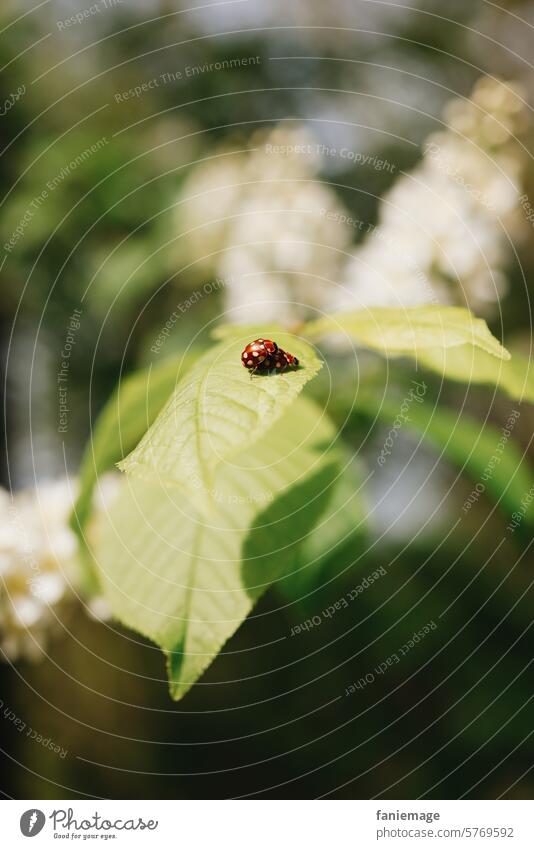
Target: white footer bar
263,824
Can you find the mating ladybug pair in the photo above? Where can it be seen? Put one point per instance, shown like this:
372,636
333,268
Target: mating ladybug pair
263,355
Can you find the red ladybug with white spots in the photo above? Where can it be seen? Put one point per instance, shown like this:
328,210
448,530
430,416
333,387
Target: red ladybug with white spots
291,361
278,361
257,352
282,360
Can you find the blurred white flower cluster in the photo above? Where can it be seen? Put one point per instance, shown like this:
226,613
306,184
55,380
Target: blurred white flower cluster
444,230
40,571
258,219
284,244
37,565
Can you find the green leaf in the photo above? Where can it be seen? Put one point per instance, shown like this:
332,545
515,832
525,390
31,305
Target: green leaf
124,419
515,377
341,528
409,331
187,580
478,449
216,411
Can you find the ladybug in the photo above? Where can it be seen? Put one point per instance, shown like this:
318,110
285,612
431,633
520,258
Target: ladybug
291,361
280,361
258,352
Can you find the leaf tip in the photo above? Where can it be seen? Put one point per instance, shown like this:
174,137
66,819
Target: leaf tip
177,687
505,354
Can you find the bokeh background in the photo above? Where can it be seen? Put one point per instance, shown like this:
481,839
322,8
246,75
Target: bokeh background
282,160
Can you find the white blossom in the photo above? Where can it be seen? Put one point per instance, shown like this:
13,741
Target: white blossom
444,230
263,220
41,577
38,567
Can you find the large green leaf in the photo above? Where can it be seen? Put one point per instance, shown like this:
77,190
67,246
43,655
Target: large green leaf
187,579
125,418
217,410
471,365
409,331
